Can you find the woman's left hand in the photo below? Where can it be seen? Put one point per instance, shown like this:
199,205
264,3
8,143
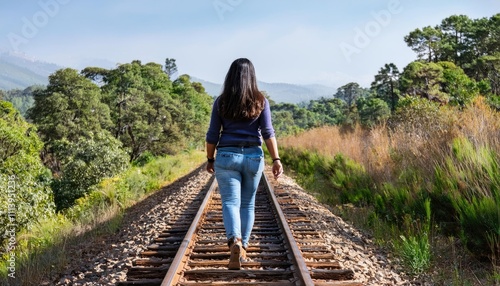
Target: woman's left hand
277,169
210,167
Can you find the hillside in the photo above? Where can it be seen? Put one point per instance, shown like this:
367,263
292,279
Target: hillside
19,71
280,92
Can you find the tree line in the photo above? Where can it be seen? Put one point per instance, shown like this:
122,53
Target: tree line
457,60
63,139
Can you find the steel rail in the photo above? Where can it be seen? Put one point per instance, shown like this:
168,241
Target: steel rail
173,275
304,277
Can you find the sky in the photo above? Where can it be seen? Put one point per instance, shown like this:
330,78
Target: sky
299,42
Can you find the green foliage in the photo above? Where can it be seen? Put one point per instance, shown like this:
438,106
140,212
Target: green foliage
195,109
331,111
337,180
415,252
422,79
290,119
170,67
69,108
284,124
150,113
72,122
487,69
471,178
457,85
21,99
386,85
426,42
25,197
350,180
84,164
126,188
42,249
372,111
471,44
143,159
350,93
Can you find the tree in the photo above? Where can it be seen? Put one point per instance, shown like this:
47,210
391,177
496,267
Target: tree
24,181
456,47
457,85
426,43
22,99
386,84
195,108
494,32
284,123
488,68
146,114
74,123
423,80
372,111
96,74
330,111
69,108
349,93
84,164
170,67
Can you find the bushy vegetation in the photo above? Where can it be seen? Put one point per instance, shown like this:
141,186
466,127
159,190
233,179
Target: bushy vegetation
90,122
25,194
420,148
411,168
91,148
41,249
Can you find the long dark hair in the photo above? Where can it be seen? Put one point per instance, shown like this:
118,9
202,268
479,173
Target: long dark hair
240,98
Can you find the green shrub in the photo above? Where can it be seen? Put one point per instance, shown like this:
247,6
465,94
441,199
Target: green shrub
414,248
84,164
350,180
25,196
415,252
143,159
470,178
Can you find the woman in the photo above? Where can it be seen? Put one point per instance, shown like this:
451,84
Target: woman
240,119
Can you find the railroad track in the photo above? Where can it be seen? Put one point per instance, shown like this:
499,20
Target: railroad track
284,249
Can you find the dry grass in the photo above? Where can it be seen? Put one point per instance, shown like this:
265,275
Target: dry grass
382,150
416,144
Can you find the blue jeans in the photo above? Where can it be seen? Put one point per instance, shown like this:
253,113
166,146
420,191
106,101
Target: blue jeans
238,171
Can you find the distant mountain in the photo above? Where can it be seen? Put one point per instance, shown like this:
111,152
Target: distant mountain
279,92
20,71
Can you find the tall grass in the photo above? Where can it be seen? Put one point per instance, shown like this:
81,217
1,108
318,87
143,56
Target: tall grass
42,249
425,153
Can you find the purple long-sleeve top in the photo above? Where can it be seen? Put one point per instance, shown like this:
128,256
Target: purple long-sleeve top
226,132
